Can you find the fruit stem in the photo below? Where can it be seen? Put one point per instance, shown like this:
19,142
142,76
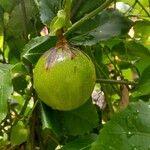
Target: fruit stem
61,42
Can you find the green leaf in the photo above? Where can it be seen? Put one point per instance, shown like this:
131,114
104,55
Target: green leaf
127,74
36,47
12,52
50,119
81,120
138,53
19,69
127,130
19,83
50,141
51,126
19,134
75,122
20,26
8,5
48,9
5,89
83,7
16,26
143,87
102,27
132,53
19,80
81,143
58,22
4,141
142,31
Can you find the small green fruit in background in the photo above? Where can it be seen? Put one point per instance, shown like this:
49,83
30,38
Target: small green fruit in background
64,77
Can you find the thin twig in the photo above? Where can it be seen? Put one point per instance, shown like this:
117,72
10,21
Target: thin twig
131,8
143,8
88,16
107,97
33,118
24,106
113,63
29,115
109,81
32,130
114,4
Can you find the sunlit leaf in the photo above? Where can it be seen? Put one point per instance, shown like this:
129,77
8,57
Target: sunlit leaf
1,29
19,134
142,32
58,22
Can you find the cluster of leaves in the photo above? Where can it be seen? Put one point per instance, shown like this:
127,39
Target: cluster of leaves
117,38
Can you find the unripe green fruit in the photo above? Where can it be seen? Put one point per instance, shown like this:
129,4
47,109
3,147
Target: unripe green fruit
64,78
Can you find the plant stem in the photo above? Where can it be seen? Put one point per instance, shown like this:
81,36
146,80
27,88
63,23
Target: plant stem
29,115
109,81
108,100
131,8
32,130
24,106
112,62
88,16
33,119
104,88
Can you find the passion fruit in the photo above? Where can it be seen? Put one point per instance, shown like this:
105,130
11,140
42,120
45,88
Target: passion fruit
64,77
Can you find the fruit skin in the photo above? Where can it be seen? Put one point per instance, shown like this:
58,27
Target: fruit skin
67,83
